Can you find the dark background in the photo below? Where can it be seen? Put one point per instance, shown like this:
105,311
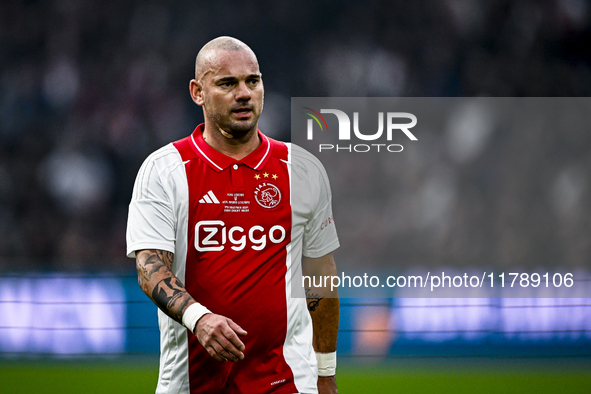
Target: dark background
89,88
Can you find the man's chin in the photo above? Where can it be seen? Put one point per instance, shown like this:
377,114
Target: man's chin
240,129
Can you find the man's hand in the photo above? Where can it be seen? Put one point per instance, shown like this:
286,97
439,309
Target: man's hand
327,385
219,336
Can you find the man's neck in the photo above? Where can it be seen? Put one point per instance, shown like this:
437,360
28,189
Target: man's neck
236,148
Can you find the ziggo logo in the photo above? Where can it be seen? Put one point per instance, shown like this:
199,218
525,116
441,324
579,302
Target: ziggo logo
212,228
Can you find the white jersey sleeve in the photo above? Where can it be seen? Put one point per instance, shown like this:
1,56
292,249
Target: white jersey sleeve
151,222
312,185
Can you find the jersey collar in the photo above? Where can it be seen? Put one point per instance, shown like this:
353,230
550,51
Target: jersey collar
219,162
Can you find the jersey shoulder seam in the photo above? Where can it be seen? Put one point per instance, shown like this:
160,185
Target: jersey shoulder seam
159,160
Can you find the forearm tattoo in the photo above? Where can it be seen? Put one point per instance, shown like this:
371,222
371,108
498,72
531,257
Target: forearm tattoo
313,300
159,283
149,263
172,293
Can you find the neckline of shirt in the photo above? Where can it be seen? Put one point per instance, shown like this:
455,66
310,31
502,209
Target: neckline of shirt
219,162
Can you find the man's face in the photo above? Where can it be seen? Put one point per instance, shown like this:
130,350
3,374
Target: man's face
232,91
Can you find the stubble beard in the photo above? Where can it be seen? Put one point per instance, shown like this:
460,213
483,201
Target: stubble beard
230,128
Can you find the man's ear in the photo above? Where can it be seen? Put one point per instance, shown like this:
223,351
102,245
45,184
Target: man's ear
195,88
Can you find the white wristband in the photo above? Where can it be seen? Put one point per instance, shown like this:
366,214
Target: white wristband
192,314
327,363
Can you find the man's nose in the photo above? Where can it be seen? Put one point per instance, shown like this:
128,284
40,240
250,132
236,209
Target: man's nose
242,92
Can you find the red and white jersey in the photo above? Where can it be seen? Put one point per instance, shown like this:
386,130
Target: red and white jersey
237,229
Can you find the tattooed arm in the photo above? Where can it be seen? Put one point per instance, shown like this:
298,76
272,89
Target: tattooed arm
323,305
159,283
217,334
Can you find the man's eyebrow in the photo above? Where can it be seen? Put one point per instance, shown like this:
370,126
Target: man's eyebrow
226,78
231,78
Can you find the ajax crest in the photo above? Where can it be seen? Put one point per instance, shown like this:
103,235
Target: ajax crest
267,195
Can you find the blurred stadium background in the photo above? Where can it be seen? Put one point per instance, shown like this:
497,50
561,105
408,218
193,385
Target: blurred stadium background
89,89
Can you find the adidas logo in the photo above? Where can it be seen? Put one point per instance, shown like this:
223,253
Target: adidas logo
209,198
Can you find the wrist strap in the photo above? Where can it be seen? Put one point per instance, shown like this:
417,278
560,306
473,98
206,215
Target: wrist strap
192,314
327,363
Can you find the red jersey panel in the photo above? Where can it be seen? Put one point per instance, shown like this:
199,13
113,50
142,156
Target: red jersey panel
239,226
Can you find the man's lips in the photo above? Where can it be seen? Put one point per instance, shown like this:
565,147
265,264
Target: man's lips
242,112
